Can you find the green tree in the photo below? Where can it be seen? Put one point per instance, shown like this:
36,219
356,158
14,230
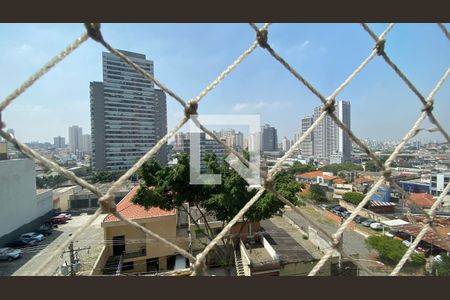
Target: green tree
353,197
298,167
318,193
372,166
443,268
336,168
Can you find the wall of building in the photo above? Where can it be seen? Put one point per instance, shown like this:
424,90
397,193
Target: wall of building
44,202
163,226
19,204
61,196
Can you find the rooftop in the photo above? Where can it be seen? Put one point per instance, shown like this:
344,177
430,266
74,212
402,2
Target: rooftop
133,211
420,199
287,249
430,237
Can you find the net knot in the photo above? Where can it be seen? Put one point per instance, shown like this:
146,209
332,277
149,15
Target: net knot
107,204
261,37
387,172
199,265
329,106
190,109
93,30
428,107
268,184
380,46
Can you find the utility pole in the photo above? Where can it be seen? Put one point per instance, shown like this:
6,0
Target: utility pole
73,260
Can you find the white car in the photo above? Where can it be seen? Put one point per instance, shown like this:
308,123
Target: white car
32,236
376,226
9,254
67,216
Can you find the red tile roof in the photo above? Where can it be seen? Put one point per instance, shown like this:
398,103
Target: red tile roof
340,181
363,180
310,175
133,211
421,199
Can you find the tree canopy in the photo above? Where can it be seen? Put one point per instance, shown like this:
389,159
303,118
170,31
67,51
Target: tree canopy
336,168
169,187
298,167
318,193
391,251
353,197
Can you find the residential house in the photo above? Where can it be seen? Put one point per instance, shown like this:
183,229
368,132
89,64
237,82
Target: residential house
129,250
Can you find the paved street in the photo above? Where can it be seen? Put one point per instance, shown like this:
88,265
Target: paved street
33,257
353,242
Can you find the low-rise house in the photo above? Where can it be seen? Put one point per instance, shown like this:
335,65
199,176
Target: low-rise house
325,179
129,250
341,189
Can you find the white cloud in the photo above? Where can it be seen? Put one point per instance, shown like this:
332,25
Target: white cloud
25,48
304,44
257,106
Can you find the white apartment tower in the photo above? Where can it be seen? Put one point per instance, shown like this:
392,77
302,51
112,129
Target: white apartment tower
75,138
128,115
328,140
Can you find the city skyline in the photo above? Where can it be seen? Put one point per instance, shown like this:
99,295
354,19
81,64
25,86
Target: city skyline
42,112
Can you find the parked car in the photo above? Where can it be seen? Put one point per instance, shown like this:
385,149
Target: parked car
32,236
21,244
66,215
46,229
9,254
345,214
59,220
340,208
376,226
391,233
324,206
367,223
358,219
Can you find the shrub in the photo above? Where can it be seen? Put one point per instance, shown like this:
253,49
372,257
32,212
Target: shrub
353,197
390,251
418,259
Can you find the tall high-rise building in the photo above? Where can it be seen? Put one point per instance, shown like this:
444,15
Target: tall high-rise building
328,140
128,115
86,144
269,139
75,137
239,141
285,144
306,147
254,142
59,142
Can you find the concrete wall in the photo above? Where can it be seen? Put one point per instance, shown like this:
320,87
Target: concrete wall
245,259
19,204
62,196
44,202
100,262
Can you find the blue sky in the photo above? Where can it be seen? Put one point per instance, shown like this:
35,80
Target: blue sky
188,57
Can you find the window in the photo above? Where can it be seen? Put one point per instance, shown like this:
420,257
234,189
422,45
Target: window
128,266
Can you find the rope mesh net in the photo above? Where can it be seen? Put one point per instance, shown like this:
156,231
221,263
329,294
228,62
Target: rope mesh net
93,31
